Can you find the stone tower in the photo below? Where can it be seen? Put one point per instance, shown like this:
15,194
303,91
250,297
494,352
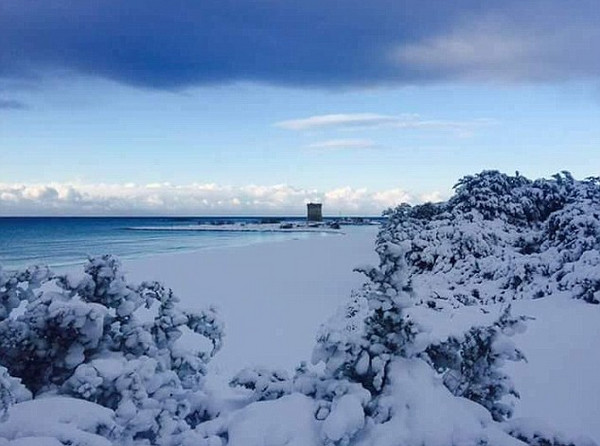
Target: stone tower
314,212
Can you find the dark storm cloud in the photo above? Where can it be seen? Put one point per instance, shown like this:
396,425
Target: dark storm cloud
177,43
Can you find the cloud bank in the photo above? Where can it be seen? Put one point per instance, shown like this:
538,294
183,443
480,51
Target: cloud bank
321,43
193,199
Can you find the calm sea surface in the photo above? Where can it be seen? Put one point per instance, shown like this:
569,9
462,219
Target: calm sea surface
65,241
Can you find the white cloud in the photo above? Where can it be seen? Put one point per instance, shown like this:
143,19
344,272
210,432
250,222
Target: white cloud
432,197
359,120
335,144
192,199
372,121
392,196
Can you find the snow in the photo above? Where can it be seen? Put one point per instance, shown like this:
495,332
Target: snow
532,429
422,411
345,420
31,441
68,420
288,421
273,297
559,382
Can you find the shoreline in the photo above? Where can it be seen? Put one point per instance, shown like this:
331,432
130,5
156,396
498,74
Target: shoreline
64,243
126,258
212,228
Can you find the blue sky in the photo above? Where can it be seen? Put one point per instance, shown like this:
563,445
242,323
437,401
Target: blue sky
257,107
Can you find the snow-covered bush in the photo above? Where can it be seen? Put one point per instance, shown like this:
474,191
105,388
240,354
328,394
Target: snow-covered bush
102,339
498,238
471,364
59,421
265,384
12,391
359,343
416,409
374,337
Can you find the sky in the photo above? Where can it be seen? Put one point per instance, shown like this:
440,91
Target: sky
255,107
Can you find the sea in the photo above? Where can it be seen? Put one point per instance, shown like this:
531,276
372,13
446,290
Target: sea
65,241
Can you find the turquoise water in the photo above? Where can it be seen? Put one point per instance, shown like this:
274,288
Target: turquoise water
67,241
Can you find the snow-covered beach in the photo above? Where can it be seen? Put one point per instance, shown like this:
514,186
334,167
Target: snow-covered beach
272,296
279,293
472,321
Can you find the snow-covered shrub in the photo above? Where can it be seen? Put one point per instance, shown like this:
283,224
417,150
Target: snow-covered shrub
102,339
285,421
498,238
358,343
416,409
265,384
59,421
18,287
336,406
11,391
374,335
471,364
